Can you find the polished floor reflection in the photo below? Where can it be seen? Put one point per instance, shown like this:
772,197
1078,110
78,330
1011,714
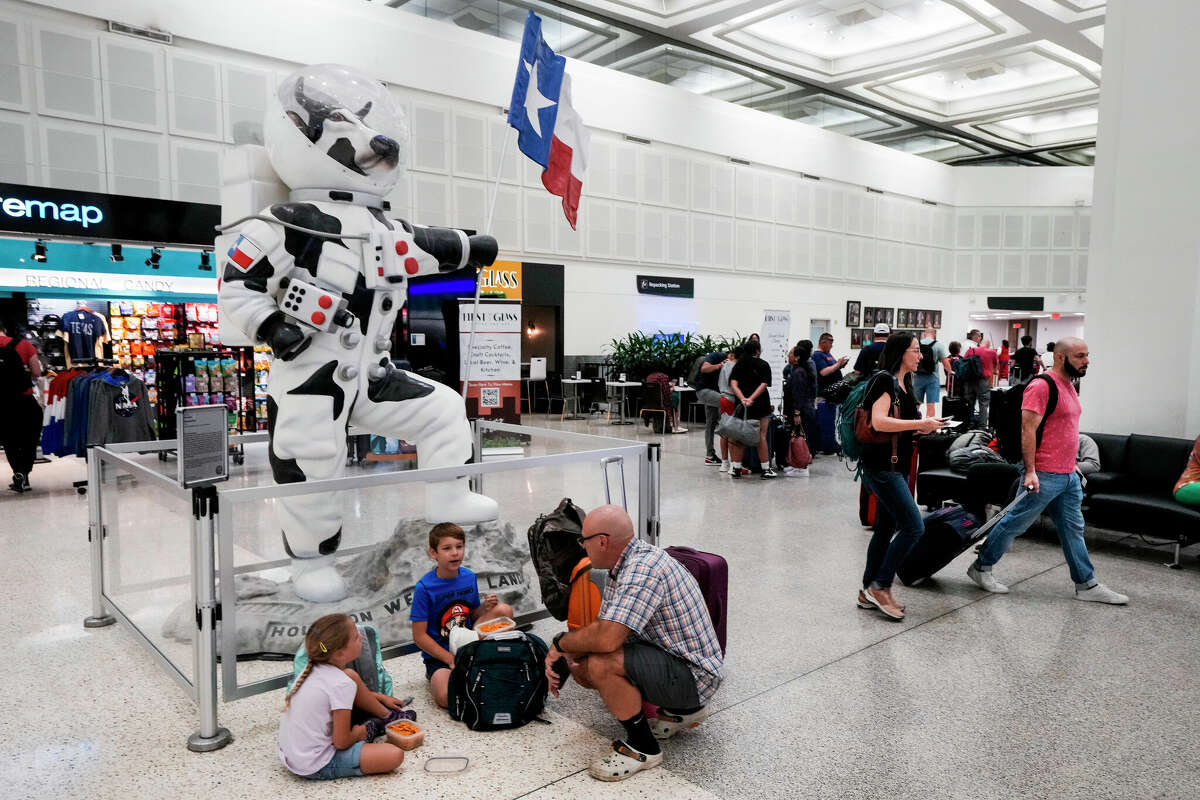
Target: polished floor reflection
1031,694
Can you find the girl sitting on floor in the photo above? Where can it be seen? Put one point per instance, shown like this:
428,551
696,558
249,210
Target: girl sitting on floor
316,739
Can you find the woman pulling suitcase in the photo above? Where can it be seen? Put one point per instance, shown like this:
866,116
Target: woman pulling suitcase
893,417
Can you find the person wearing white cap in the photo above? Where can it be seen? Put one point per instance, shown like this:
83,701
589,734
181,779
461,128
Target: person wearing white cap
869,355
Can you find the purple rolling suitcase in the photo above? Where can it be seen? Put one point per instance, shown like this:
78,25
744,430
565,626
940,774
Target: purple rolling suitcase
712,573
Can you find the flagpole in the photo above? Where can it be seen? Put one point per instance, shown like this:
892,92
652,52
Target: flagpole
479,270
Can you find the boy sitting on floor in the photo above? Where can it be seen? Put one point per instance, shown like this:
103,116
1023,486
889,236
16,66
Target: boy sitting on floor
447,597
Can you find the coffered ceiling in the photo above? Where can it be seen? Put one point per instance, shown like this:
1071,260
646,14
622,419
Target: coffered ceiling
961,81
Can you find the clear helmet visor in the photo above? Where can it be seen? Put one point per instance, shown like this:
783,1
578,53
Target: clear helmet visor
349,116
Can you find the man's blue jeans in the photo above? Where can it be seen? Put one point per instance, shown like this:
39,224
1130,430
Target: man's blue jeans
1061,495
897,513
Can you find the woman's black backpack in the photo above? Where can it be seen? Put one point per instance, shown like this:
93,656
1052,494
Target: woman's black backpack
498,683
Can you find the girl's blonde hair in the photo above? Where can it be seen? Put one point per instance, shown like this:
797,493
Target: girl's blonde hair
326,636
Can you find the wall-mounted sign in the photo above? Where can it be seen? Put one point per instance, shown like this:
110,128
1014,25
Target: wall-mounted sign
502,279
49,283
666,287
34,210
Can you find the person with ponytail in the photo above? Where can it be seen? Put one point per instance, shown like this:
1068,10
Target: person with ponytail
898,522
316,739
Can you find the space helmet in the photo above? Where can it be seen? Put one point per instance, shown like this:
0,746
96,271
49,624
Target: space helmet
329,126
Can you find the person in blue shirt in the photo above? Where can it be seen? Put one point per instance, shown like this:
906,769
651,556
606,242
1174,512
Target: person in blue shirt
829,367
447,597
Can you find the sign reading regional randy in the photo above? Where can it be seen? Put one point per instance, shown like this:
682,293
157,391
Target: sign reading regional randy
64,212
667,287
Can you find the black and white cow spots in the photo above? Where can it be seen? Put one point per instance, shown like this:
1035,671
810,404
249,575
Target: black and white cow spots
304,248
321,383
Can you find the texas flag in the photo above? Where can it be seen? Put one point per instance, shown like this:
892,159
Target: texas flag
549,130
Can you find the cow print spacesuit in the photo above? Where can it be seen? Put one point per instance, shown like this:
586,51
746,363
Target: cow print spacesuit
322,283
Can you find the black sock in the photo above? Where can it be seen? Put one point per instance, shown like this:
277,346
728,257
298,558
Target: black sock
638,735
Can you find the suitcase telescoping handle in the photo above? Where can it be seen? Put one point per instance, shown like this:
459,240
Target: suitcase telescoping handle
991,523
620,462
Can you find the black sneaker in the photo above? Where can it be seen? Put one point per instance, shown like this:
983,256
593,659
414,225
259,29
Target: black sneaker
769,473
375,729
736,474
712,461
20,483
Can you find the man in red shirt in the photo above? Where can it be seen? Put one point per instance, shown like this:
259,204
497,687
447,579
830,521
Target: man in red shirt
19,409
1049,442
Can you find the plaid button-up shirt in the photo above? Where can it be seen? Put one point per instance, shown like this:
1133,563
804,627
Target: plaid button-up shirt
656,597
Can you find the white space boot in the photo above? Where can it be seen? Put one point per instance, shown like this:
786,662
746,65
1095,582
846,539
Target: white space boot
317,580
453,501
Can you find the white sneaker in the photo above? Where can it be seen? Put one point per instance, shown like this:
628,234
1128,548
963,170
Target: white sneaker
724,466
985,581
679,429
1101,594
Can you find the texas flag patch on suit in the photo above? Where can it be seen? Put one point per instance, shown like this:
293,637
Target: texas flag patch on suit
549,130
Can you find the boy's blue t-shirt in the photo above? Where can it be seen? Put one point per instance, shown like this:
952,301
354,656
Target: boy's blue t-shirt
444,603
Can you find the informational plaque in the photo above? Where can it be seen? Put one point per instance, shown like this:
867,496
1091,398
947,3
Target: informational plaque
203,445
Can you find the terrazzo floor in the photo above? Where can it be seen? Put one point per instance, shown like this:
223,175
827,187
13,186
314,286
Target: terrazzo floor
1032,694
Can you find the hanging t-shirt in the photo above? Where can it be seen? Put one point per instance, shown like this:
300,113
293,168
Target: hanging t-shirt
444,603
83,329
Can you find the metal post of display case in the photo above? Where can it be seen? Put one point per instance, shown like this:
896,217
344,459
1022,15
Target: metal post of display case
208,611
653,478
99,618
476,481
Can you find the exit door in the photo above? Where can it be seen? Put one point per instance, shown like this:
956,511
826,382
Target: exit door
815,328
1018,328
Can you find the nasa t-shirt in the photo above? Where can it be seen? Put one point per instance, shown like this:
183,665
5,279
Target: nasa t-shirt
444,603
83,329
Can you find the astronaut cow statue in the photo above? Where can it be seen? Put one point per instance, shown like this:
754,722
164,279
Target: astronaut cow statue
321,279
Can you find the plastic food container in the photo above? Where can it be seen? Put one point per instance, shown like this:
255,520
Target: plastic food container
497,625
405,735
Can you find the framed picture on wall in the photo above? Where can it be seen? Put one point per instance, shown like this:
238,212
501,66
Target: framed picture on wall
856,338
868,317
853,313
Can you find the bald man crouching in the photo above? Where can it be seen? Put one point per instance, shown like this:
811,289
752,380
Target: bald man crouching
653,641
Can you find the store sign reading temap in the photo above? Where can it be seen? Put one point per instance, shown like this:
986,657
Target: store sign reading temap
82,215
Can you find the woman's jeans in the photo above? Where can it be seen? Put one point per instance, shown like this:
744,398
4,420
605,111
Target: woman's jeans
896,513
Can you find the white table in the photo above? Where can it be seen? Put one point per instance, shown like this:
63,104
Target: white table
574,383
683,390
622,385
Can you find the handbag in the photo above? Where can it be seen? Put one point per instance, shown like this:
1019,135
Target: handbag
865,433
799,455
738,429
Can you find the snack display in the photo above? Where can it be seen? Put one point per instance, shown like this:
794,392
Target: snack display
405,735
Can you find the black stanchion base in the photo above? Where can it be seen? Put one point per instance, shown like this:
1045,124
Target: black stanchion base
99,622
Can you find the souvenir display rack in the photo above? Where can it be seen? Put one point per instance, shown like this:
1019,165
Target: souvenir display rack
214,376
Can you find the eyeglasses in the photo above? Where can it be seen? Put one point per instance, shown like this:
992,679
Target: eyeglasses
582,539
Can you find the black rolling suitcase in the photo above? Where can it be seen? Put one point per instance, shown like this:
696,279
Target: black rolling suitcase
949,531
779,440
956,407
